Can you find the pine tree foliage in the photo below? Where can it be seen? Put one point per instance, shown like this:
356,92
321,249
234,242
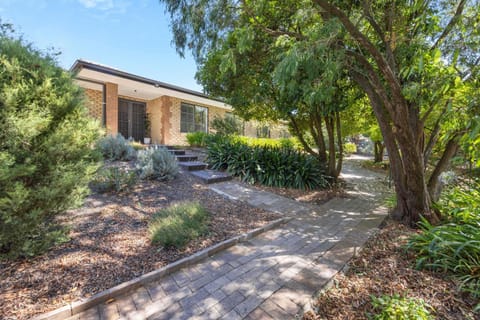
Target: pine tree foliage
46,153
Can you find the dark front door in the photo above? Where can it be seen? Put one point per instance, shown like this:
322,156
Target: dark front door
131,119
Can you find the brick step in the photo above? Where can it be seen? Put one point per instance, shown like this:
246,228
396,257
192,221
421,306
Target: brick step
176,152
193,165
211,176
185,158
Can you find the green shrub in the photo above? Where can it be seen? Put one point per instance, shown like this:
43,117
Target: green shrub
349,148
156,163
228,125
113,179
454,246
400,308
46,158
270,166
178,224
137,145
197,139
116,148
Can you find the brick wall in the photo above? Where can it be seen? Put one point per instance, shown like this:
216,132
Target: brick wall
154,110
111,97
178,138
94,103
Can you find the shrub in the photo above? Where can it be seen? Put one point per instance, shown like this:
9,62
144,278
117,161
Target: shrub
400,308
46,159
350,148
137,145
454,246
270,166
113,179
116,148
178,224
228,125
156,163
197,139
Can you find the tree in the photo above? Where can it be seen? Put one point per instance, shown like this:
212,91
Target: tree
413,59
279,79
46,147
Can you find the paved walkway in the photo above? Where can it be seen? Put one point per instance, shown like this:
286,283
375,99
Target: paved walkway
272,276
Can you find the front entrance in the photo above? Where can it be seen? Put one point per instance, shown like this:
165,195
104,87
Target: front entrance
131,119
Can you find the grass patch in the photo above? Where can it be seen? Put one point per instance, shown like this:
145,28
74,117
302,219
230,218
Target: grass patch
178,224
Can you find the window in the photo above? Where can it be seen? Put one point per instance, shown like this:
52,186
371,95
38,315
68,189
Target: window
193,118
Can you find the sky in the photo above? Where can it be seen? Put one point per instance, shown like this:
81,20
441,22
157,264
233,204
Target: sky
130,35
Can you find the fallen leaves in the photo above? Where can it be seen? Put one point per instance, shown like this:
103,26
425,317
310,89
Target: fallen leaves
385,267
109,245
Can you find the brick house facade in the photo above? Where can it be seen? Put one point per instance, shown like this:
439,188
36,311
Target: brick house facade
123,101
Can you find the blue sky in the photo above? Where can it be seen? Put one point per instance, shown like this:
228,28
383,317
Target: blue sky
131,35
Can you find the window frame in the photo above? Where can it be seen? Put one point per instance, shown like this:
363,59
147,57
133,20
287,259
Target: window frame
190,125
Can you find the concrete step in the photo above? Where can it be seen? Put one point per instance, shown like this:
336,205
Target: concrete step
193,165
185,158
176,152
211,176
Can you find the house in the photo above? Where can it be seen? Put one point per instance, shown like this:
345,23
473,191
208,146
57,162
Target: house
138,107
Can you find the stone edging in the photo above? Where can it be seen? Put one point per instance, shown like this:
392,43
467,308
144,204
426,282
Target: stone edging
82,305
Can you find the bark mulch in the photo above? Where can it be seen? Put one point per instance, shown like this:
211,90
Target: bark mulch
385,268
316,197
110,245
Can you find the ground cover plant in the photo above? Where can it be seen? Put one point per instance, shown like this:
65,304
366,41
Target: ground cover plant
384,268
197,139
46,159
453,247
113,179
177,224
156,163
395,307
269,166
116,147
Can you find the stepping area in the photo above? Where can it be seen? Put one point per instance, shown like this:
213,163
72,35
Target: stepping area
199,169
272,276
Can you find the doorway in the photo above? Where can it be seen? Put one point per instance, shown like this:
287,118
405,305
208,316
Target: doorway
131,119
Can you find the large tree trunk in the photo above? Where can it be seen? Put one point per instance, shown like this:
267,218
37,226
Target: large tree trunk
406,161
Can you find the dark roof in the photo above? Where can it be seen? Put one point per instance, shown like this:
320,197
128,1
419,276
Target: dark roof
79,64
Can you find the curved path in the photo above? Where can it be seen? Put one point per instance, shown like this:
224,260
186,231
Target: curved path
272,276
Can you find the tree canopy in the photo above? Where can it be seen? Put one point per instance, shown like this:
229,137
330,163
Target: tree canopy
417,61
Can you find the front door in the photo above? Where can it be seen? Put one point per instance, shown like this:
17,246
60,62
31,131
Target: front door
131,119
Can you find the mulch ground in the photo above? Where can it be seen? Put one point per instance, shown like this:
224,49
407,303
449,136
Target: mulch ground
384,267
110,245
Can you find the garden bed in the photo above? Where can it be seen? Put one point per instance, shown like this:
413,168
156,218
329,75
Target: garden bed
385,268
109,245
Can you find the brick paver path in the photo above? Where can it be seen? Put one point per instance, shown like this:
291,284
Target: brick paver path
272,276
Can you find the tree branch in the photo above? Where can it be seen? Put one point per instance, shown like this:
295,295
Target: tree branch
365,43
453,21
300,137
376,27
272,32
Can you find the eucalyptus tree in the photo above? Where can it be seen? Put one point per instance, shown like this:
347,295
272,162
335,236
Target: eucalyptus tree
270,78
416,60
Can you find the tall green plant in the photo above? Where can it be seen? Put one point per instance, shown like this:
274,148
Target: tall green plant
270,166
46,154
454,246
